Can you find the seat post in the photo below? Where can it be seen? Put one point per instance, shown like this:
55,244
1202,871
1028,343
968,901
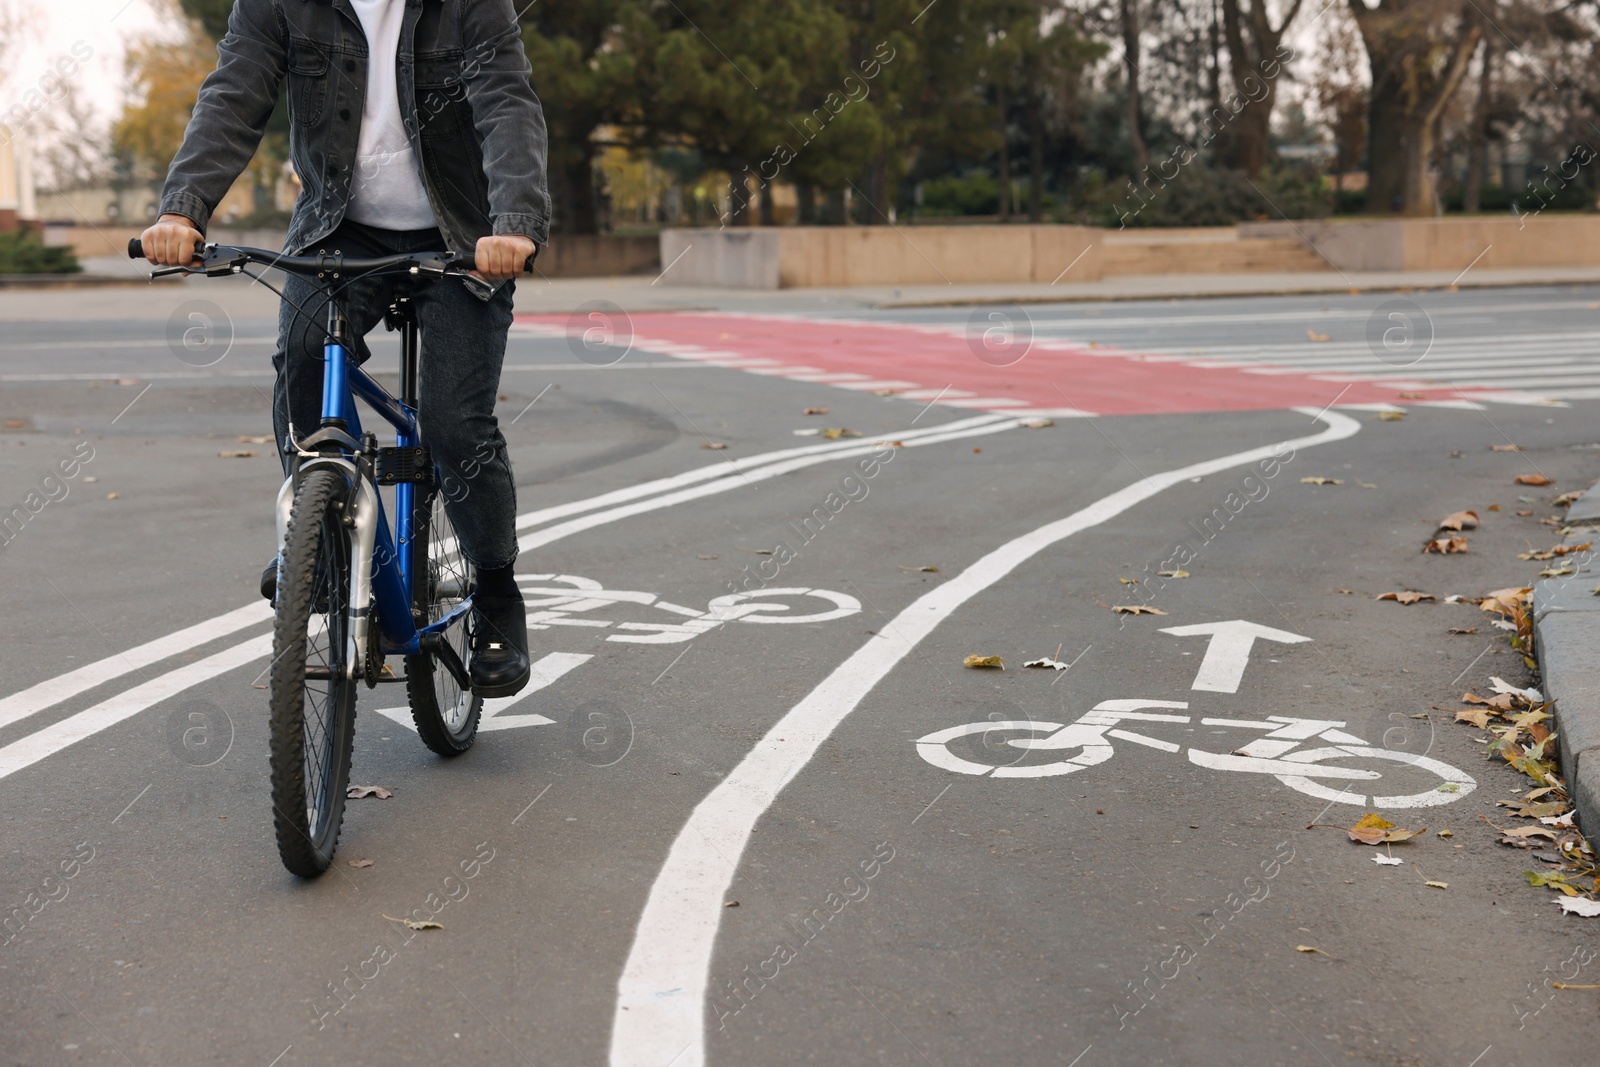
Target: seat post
403,315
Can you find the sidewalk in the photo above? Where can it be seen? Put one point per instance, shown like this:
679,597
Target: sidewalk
647,293
1566,613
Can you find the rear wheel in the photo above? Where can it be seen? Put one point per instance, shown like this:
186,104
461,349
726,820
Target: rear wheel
446,714
313,696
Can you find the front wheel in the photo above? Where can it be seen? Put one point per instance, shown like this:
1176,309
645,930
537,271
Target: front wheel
313,696
1418,771
446,714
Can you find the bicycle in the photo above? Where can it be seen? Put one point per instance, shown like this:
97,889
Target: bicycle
350,591
1276,752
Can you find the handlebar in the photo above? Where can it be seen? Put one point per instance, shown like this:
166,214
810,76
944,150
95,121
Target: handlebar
215,260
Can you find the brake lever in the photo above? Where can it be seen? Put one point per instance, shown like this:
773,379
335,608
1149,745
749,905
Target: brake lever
164,272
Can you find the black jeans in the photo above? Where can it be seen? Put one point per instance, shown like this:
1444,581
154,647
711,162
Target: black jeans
463,348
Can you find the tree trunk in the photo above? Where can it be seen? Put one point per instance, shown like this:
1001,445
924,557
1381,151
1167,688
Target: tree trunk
833,207
1005,160
768,208
1409,93
1478,151
572,193
1130,55
1035,160
806,205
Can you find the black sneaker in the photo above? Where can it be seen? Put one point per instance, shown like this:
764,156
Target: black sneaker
499,666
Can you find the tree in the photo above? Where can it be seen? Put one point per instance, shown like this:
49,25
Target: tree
164,79
1254,58
1418,52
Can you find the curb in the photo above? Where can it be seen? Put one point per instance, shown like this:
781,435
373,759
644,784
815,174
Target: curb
1566,619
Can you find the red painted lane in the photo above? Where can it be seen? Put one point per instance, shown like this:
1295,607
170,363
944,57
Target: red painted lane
1052,374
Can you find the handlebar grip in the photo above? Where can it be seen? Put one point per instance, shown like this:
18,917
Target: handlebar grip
135,248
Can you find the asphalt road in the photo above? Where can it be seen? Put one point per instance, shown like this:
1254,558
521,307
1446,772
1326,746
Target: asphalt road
763,839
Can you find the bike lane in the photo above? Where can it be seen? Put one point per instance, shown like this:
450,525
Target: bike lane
1143,906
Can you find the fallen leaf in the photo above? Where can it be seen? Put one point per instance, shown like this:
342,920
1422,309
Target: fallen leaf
1446,833
815,411
1567,499
715,446
1391,416
1480,719
1310,949
1505,448
1436,885
1556,551
358,792
240,453
1446,546
1565,985
806,433
1580,906
983,661
1128,581
1136,609
1387,861
1524,832
1462,630
885,392
1172,574
1460,520
360,863
263,439
757,551
1374,829
113,496
424,924
1036,424
730,903
1313,335
836,432
1047,664
1346,592
1407,597
1317,479
1494,507
1563,821
930,570
1532,479
1413,396
1558,572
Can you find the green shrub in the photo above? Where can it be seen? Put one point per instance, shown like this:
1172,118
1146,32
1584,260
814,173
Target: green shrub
22,252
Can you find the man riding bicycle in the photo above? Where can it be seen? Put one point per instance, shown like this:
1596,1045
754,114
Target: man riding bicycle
413,127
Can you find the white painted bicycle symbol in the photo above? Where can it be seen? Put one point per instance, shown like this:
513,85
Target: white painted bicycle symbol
1277,752
570,595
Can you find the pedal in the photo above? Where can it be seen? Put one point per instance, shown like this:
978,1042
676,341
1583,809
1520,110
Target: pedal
413,463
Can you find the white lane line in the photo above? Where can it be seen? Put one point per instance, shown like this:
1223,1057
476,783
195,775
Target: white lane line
19,706
81,725
678,928
53,691
57,736
988,425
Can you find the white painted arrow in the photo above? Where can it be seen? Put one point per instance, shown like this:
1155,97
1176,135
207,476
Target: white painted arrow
1229,651
546,670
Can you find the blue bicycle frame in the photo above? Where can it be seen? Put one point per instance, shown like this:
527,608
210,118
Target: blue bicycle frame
385,566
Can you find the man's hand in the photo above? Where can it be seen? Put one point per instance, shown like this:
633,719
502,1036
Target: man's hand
170,242
502,257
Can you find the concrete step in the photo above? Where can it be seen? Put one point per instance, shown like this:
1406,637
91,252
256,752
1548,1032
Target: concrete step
1254,256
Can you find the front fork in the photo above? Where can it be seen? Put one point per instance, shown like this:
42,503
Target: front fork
361,516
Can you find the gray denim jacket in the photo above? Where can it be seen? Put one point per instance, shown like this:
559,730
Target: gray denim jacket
472,116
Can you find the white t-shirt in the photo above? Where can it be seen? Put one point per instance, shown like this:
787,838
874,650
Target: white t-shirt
386,189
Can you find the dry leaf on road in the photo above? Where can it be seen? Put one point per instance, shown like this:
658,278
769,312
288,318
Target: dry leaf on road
1505,448
1374,830
1310,949
1391,416
1047,664
262,439
715,446
1136,609
415,924
1446,546
983,661
1532,479
237,453
1407,596
1462,630
1036,424
359,863
1317,479
835,432
1313,335
1172,574
1460,520
358,792
929,569
1580,906
1388,861
815,411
